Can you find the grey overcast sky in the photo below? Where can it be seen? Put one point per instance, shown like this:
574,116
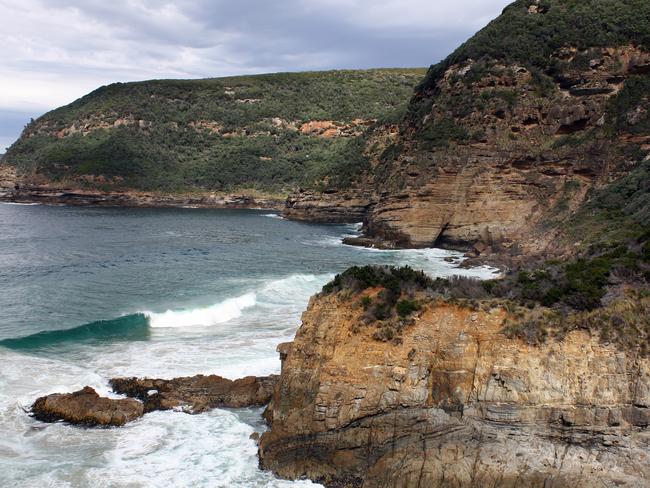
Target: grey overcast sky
54,51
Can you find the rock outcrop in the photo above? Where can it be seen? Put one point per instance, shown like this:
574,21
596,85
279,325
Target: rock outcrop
19,192
86,407
330,207
513,155
193,394
197,394
455,404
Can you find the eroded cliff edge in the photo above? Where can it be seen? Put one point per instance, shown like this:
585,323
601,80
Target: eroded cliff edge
448,399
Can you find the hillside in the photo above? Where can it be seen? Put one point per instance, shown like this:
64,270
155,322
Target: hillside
268,132
513,134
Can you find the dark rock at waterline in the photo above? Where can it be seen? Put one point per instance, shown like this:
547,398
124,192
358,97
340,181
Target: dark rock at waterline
86,407
368,242
197,394
194,394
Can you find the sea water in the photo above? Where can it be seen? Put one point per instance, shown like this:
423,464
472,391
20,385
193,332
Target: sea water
88,294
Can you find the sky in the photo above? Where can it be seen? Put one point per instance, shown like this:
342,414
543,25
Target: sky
54,51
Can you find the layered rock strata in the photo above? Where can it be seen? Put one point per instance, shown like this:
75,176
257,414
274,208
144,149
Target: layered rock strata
88,197
197,394
330,207
456,403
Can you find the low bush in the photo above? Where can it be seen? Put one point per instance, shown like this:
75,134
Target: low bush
404,308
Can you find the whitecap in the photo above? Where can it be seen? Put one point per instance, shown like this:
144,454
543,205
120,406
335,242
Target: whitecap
21,204
219,313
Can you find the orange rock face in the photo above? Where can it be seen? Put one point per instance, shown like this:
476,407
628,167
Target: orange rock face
455,404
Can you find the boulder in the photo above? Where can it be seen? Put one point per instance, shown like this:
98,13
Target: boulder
86,407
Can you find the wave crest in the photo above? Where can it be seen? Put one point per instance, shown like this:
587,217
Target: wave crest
225,311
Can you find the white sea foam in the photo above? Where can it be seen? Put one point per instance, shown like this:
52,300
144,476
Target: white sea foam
163,449
219,313
21,204
273,216
213,449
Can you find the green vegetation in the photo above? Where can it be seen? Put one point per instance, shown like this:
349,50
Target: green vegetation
624,322
404,308
394,280
391,308
607,291
629,111
215,134
518,36
616,214
439,133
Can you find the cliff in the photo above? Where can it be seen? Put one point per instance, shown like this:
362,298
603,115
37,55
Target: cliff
454,402
271,133
514,132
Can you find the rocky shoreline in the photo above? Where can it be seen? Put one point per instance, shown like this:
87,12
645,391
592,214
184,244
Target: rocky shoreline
90,198
449,401
195,394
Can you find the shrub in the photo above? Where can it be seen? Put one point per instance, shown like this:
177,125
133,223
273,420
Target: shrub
440,133
404,308
516,37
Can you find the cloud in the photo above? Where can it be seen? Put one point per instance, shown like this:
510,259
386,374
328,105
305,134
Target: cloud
54,51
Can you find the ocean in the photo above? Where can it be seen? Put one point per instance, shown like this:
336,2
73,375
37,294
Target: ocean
88,294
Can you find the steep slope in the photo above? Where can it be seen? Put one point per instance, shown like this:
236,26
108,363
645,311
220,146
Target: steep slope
268,132
449,399
514,131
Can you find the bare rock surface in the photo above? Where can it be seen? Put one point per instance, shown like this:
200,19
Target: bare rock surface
334,207
86,407
197,394
455,403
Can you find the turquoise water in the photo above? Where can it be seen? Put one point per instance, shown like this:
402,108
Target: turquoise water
88,294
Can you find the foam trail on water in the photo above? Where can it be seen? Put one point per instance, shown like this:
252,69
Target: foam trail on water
20,204
220,313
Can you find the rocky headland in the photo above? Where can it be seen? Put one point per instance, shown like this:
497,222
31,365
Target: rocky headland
492,154
442,396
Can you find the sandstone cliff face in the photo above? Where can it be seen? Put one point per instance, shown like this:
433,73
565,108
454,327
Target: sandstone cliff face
455,404
335,207
492,152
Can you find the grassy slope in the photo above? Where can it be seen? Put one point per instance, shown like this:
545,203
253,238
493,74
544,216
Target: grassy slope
171,155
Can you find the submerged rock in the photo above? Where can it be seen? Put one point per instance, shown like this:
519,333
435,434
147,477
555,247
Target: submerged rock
197,394
86,407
